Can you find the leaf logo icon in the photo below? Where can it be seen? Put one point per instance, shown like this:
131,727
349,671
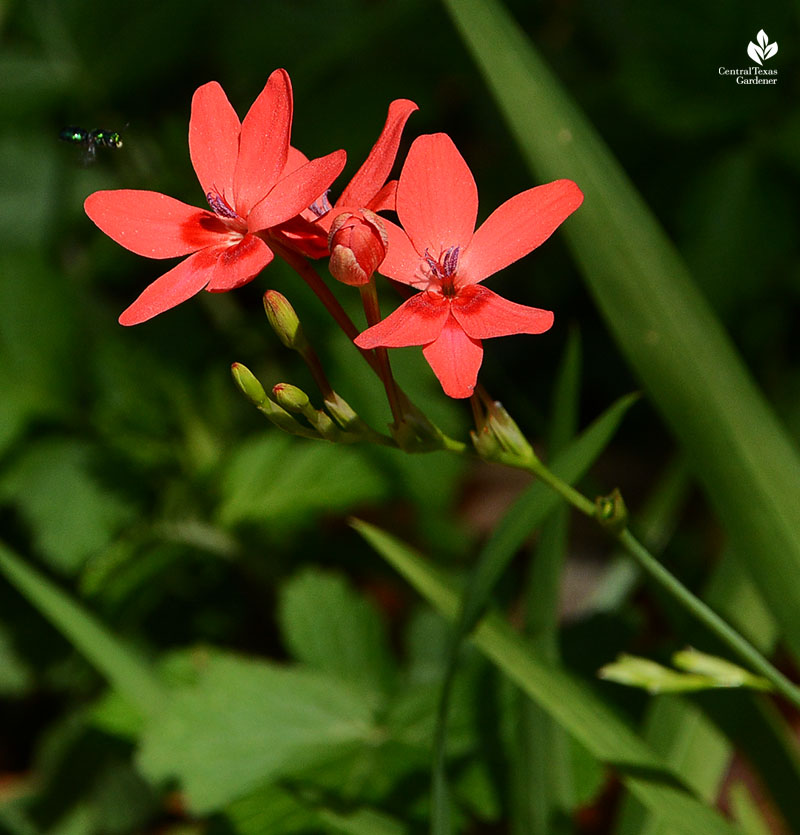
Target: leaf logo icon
763,50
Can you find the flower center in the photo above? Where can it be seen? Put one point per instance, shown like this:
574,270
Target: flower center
444,269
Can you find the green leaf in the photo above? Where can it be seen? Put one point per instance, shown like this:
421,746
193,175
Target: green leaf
736,447
280,483
71,514
331,628
569,701
16,677
123,669
243,722
656,678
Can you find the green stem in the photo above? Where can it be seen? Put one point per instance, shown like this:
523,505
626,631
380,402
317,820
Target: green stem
653,568
708,617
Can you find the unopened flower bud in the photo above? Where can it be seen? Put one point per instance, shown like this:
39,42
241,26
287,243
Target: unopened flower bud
290,397
358,244
507,433
284,320
248,384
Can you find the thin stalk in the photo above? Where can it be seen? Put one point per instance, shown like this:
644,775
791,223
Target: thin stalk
708,617
653,568
369,298
301,266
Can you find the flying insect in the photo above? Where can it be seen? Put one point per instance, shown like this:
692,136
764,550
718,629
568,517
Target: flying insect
91,140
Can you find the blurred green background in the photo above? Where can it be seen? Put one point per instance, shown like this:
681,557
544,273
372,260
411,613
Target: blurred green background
133,472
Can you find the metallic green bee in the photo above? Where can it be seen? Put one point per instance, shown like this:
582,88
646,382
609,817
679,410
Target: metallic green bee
91,140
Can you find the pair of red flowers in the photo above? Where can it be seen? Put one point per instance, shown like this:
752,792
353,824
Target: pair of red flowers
264,195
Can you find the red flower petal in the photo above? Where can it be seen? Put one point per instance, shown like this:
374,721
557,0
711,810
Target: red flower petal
385,199
437,199
455,359
484,314
369,179
402,261
152,224
236,265
264,142
516,227
180,283
214,140
296,191
303,236
417,321
294,160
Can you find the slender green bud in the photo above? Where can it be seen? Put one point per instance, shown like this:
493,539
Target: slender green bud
291,398
248,384
507,433
485,443
284,320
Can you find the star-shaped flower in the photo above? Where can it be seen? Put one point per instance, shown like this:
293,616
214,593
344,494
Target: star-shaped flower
439,252
242,170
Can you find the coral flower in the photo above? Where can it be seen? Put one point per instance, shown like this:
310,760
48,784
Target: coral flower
242,168
439,252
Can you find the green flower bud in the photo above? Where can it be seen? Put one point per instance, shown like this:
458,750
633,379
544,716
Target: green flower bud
284,320
507,433
248,384
291,398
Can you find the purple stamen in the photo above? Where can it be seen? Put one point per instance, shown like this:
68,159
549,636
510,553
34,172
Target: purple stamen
321,206
220,206
447,264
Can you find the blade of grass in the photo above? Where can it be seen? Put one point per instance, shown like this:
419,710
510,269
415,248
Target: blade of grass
734,443
569,701
543,769
527,513
126,672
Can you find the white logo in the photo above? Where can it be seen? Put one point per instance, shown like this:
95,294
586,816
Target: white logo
763,49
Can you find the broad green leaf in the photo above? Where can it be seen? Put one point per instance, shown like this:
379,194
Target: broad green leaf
570,702
269,810
361,822
735,446
279,483
71,514
333,629
274,810
242,722
124,670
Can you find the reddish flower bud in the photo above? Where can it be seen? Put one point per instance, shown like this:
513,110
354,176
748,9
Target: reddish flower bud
358,244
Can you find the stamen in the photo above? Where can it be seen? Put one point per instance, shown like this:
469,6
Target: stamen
447,264
321,206
450,260
220,206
